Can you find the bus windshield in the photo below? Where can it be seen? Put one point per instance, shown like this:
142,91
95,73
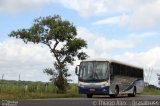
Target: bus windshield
94,71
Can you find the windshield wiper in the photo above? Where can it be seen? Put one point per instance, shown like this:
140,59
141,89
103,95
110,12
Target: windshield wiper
95,74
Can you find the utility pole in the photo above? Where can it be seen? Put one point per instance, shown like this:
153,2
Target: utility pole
158,79
148,75
19,77
2,76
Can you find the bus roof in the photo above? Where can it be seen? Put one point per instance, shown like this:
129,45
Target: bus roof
111,61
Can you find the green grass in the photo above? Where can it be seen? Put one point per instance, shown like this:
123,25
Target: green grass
151,91
33,90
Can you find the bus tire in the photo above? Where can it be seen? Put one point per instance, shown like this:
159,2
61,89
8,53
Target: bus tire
116,92
134,93
89,95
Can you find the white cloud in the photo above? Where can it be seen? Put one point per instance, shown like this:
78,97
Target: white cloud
14,6
141,58
85,7
146,16
140,13
135,13
98,44
103,44
144,35
27,60
112,20
96,7
121,20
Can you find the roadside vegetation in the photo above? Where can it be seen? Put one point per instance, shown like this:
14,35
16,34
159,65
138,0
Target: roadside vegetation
151,90
15,90
18,90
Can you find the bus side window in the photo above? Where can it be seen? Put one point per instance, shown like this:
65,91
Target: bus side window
125,71
116,69
111,71
130,72
137,73
120,69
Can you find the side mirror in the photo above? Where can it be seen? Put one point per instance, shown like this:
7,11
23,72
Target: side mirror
77,70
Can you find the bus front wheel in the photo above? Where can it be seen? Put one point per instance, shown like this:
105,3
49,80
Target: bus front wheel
89,95
116,92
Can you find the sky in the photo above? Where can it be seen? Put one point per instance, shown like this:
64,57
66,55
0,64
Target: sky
125,30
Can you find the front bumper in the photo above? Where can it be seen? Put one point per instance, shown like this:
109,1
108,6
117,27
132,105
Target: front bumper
100,90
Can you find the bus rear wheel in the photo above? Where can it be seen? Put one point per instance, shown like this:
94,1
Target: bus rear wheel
89,95
133,94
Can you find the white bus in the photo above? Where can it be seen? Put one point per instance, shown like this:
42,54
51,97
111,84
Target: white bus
109,77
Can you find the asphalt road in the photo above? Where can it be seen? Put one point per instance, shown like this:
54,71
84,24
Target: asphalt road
95,101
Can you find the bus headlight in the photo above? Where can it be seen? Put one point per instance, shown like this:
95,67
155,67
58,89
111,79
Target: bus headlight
103,85
80,85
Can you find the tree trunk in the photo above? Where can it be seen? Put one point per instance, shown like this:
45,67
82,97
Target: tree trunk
60,83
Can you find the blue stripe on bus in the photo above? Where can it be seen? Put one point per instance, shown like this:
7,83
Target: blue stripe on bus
132,85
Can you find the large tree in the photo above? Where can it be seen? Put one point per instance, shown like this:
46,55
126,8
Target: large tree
60,36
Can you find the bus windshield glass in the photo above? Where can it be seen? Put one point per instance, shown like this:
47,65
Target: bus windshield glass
94,71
